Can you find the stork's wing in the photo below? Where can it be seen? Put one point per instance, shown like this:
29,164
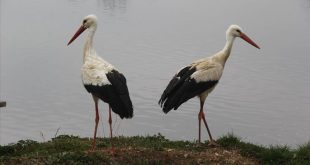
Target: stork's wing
193,81
118,81
123,101
177,80
113,91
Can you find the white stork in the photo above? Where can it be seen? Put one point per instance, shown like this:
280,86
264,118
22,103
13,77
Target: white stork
102,79
199,78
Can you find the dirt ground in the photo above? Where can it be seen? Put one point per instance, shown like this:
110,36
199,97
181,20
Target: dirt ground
212,156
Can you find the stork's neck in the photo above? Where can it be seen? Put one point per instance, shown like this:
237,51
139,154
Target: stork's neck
88,47
225,52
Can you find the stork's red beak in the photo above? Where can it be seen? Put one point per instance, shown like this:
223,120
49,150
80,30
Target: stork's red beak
247,39
77,33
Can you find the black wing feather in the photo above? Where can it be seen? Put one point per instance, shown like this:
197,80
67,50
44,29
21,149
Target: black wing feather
182,88
116,95
175,82
188,90
118,81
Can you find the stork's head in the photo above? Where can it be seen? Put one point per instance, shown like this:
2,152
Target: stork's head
236,31
89,22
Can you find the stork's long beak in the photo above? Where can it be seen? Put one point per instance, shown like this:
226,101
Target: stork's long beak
77,33
247,39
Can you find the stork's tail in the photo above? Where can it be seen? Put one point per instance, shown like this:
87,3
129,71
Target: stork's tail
171,103
123,107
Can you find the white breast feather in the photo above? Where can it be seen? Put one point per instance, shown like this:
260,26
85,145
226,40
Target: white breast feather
208,73
94,71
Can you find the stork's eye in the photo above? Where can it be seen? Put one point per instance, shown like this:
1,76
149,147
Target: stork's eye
238,31
84,21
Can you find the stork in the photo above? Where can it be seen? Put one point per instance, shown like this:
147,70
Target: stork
102,79
200,78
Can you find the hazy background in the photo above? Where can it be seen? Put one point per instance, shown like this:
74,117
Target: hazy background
263,96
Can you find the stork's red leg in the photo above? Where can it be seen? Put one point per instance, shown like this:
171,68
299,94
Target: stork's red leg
110,123
199,119
96,122
204,120
212,142
199,127
201,115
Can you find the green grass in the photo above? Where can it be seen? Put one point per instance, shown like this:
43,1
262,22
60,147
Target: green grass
66,149
157,142
268,155
61,150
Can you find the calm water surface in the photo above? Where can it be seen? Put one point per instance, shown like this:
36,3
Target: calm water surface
263,95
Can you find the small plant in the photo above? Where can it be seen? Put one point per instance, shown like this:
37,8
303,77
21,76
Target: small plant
6,150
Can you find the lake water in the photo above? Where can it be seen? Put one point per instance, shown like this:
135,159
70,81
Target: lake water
263,96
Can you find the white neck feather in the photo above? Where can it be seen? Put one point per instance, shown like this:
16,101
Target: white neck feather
225,52
88,47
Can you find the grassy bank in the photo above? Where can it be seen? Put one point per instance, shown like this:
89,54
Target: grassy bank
155,149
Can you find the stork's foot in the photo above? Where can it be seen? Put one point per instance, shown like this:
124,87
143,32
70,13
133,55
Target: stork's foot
91,150
212,143
112,151
93,146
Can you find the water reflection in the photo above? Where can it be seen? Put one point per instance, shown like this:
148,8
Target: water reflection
113,5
